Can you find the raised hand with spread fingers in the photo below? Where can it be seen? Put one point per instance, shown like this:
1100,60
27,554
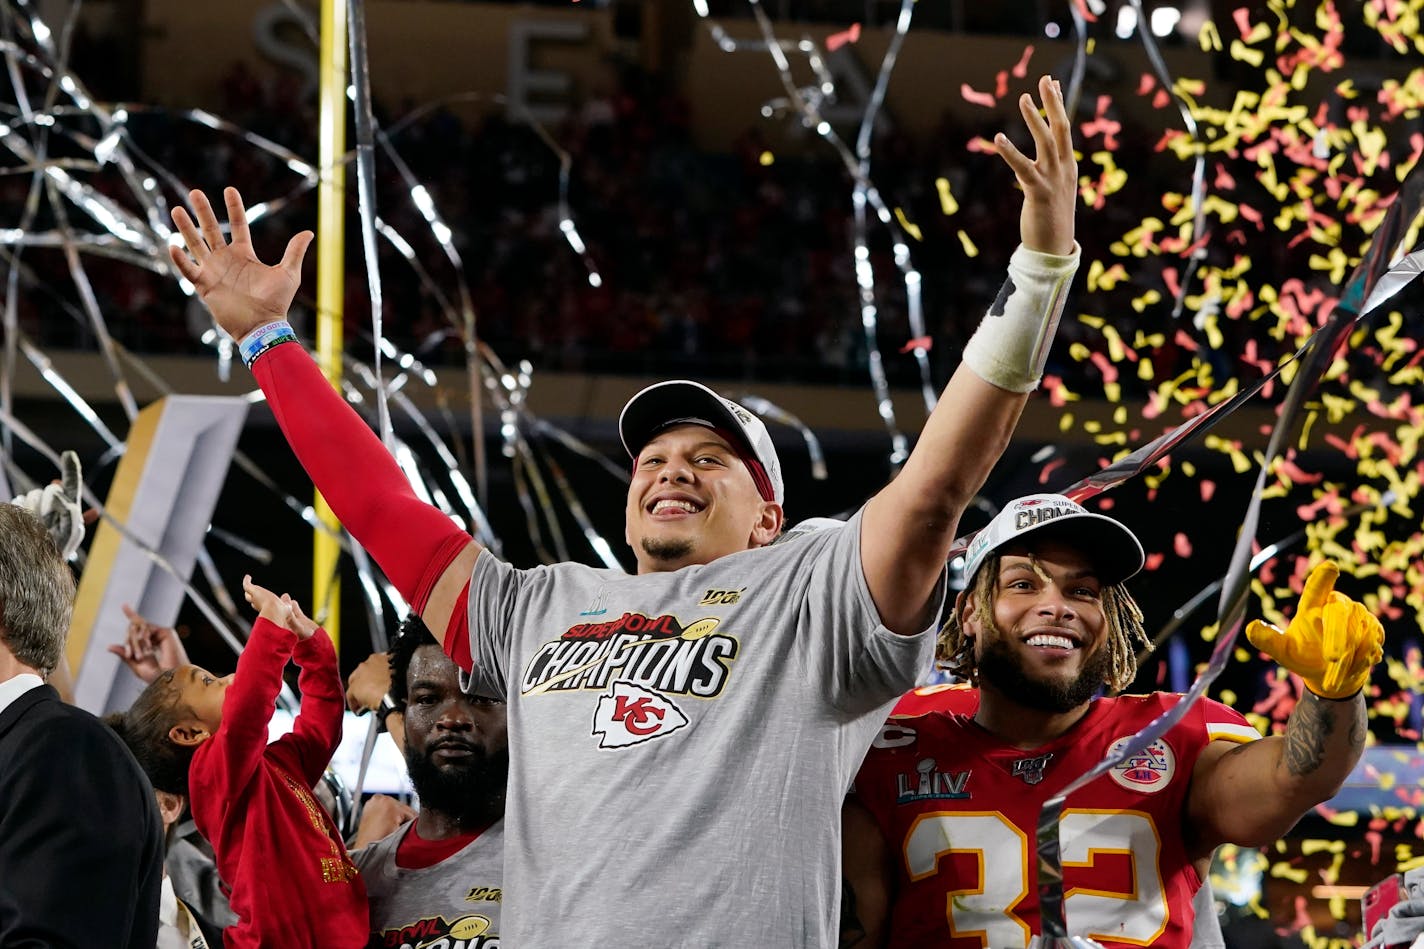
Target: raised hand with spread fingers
242,292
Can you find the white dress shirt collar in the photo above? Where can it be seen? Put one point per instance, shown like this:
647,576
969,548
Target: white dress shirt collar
12,689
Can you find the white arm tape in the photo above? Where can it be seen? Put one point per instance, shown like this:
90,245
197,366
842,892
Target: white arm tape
1011,345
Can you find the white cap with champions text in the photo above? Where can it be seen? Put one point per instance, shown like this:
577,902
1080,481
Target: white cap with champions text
682,401
1114,550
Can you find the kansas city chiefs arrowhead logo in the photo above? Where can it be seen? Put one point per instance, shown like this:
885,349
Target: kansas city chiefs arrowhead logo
629,714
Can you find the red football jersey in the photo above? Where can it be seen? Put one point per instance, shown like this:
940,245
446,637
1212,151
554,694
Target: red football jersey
959,810
958,697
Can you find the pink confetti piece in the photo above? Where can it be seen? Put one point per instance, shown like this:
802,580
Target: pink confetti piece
1181,545
1105,366
1298,475
836,40
1021,67
1049,468
1171,282
975,97
1242,16
1208,488
919,342
1153,561
1101,124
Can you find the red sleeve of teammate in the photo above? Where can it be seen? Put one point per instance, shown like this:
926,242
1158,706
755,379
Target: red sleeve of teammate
412,541
1223,723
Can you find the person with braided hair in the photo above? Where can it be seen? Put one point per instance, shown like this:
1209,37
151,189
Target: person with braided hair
939,832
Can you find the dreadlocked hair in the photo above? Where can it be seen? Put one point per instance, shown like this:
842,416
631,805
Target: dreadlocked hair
412,634
1123,617
145,727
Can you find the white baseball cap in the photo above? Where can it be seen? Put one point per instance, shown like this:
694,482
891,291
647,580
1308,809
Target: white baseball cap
681,401
1114,550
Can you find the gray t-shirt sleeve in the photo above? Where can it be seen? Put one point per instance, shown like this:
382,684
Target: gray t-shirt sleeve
494,597
862,663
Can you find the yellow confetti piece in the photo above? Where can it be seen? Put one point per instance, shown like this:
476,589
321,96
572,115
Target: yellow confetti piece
947,204
1313,846
1297,875
1142,302
1209,38
969,249
910,227
767,159
1105,278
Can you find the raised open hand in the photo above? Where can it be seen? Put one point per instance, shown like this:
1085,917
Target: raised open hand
1332,643
1049,179
149,649
242,292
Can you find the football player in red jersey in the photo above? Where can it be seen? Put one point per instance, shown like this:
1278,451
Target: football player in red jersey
940,832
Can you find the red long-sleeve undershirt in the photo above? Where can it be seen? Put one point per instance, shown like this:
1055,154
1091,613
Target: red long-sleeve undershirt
413,542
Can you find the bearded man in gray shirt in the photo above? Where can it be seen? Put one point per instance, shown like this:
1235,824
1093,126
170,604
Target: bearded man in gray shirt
680,739
438,879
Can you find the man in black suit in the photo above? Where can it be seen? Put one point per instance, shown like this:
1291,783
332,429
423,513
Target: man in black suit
81,849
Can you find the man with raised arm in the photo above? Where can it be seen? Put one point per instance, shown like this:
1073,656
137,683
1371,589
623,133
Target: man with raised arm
940,834
680,739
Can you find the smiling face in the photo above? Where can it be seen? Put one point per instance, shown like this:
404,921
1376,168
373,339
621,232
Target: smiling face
1047,645
693,500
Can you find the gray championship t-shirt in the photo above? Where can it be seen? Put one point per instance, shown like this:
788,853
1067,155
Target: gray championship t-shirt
680,742
454,904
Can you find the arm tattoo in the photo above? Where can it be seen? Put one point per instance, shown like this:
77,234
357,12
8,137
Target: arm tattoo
852,929
1309,730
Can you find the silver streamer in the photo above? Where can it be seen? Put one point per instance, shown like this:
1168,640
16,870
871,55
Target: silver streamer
366,196
807,102
141,239
1196,239
770,410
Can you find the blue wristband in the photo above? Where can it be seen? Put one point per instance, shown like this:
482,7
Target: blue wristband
263,338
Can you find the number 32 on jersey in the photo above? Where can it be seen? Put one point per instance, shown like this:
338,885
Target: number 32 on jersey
985,907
